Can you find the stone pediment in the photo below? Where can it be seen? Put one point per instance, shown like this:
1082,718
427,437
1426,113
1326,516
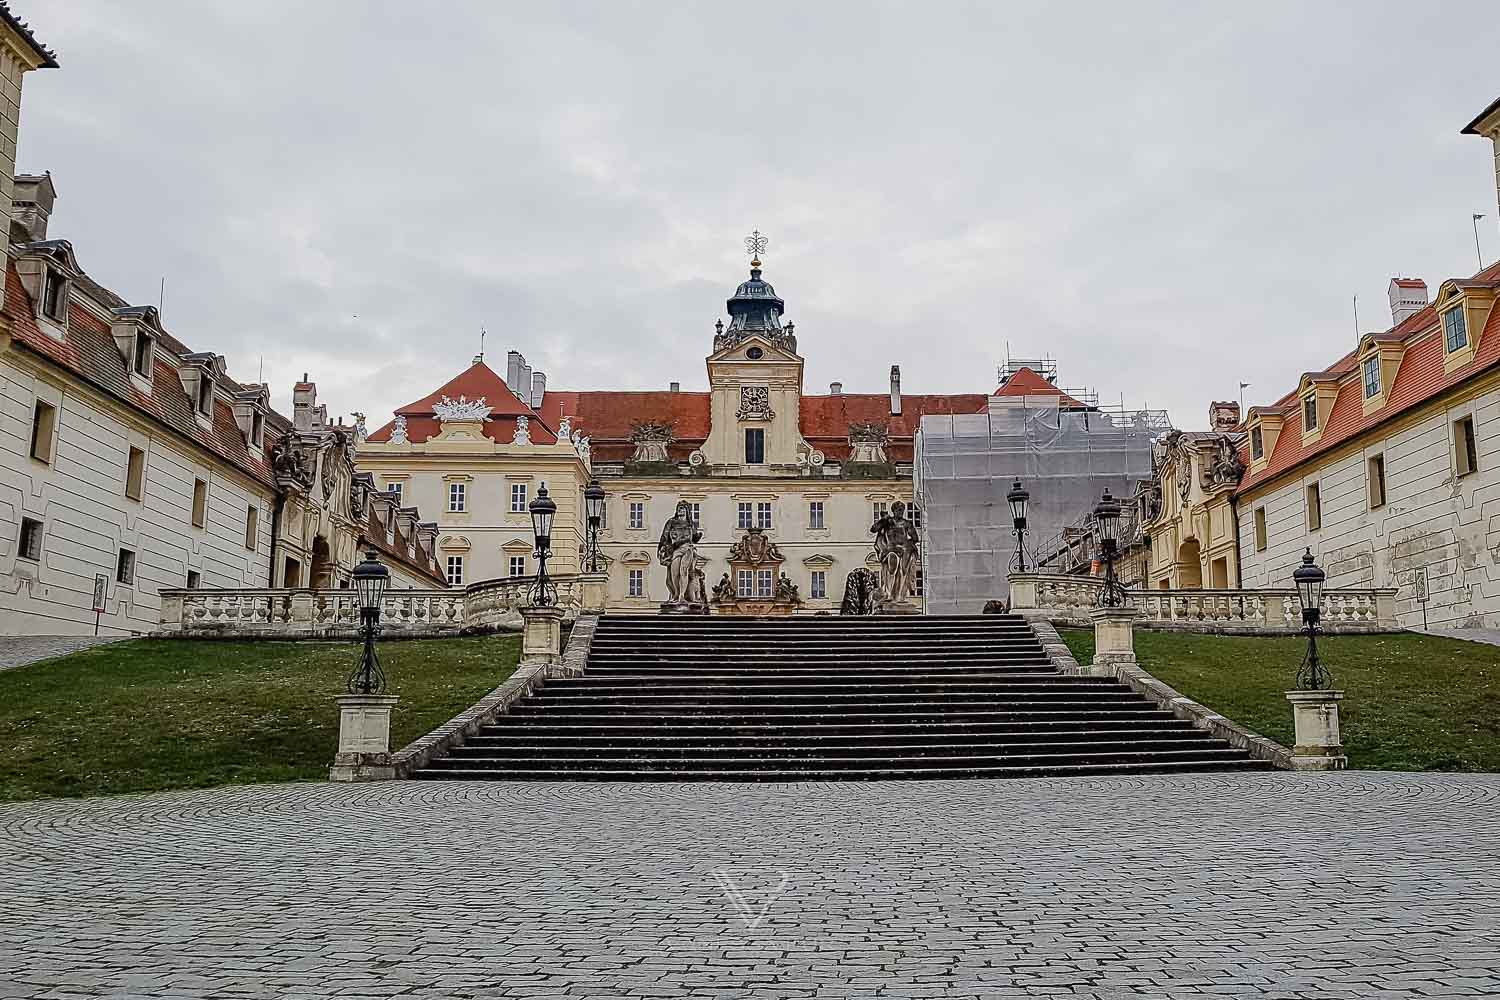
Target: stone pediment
517,547
745,350
819,560
455,543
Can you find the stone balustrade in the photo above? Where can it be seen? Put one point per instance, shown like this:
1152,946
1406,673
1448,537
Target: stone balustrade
487,606
1067,599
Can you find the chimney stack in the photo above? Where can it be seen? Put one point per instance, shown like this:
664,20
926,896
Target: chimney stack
31,207
835,388
515,365
1224,417
538,389
895,390
675,386
1408,297
304,403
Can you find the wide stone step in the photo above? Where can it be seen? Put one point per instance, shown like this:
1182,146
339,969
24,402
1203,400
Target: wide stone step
882,749
502,740
520,716
767,686
626,728
830,672
853,701
899,772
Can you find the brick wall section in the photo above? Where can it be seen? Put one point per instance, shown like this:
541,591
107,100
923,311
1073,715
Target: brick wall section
1163,695
529,676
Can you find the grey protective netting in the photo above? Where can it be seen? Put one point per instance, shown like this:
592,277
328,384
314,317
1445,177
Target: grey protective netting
965,464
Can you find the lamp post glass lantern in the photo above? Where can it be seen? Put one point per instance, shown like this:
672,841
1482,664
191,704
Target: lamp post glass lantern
593,501
1017,498
370,579
1107,517
543,510
1309,578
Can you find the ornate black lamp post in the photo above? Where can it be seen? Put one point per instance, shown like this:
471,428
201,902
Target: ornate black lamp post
543,509
370,579
1017,498
1107,514
1312,675
593,501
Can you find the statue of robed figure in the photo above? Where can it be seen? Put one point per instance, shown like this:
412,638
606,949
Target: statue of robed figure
678,552
896,549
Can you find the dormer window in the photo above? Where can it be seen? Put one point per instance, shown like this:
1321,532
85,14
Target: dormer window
55,297
1455,331
257,431
1310,413
1371,372
206,396
1257,444
142,355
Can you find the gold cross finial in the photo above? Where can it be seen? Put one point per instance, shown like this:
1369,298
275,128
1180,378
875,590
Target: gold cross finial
755,245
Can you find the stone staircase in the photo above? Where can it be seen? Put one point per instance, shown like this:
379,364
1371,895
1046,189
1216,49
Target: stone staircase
821,699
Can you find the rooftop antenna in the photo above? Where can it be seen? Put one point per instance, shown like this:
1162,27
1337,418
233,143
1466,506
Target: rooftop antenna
1356,320
261,378
161,298
1477,253
481,344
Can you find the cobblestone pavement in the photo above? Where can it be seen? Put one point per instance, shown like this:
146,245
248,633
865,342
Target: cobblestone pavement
1277,885
17,650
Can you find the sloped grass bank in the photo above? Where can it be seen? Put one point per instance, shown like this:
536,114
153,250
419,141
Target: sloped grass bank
152,714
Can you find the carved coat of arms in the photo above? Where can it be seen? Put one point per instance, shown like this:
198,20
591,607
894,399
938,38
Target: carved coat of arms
754,549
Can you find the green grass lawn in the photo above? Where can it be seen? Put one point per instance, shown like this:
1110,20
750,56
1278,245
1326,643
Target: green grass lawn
151,714
1411,702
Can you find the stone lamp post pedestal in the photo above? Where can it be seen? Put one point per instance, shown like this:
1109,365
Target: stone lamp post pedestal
1114,639
593,592
541,635
1315,716
364,738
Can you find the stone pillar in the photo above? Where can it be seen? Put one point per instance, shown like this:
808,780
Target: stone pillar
364,738
302,609
1385,608
541,634
593,592
1315,716
1022,591
1114,638
171,612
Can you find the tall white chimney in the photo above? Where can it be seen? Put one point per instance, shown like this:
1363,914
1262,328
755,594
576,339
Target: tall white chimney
1408,297
515,364
895,390
538,389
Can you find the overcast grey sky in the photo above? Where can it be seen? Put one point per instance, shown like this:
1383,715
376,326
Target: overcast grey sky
1168,198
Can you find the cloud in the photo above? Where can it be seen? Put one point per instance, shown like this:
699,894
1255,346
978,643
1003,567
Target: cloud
1168,200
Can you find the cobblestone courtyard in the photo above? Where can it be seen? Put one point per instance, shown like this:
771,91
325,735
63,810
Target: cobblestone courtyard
1357,885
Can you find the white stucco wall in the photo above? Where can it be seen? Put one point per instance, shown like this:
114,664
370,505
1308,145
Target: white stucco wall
1432,520
80,498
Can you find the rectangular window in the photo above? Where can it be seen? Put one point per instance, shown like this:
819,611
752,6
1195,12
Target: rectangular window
878,509
54,300
914,514
745,518
1314,507
257,430
765,583
141,359
1257,444
1455,332
200,503
755,446
636,586
125,567
1376,467
252,527
455,571
1310,413
517,566
194,578
695,511
637,514
135,473
518,498
206,396
918,588
395,490
1260,529
744,583
1371,371
31,539
43,426
815,514
1465,449
763,515
456,497
818,588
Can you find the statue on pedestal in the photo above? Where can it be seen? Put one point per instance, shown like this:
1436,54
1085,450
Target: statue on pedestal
678,552
896,548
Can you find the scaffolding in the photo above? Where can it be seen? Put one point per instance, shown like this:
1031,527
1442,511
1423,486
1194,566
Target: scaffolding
966,463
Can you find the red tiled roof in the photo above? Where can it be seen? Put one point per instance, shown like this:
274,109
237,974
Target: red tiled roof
88,351
1418,379
1408,282
475,382
826,419
1026,382
372,535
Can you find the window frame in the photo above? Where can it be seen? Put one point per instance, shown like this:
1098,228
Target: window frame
396,487
637,515
1310,412
1461,327
458,498
817,585
1375,481
143,355
1465,446
194,579
125,567
1262,536
815,516
199,514
453,570
1257,443
1369,373
765,584
252,527
514,563
1313,497
205,405
744,515
54,303
135,473
635,583
43,431
764,515
757,454
519,498
29,539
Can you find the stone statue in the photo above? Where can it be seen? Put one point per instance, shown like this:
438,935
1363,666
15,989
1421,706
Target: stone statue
859,593
786,590
724,590
651,441
697,595
398,431
896,548
523,431
1223,466
678,552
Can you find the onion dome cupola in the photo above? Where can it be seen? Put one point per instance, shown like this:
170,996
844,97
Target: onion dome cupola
755,309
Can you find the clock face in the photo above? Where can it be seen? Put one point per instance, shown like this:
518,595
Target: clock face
755,354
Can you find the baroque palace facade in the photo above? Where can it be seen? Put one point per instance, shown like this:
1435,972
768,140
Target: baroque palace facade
784,485
132,466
